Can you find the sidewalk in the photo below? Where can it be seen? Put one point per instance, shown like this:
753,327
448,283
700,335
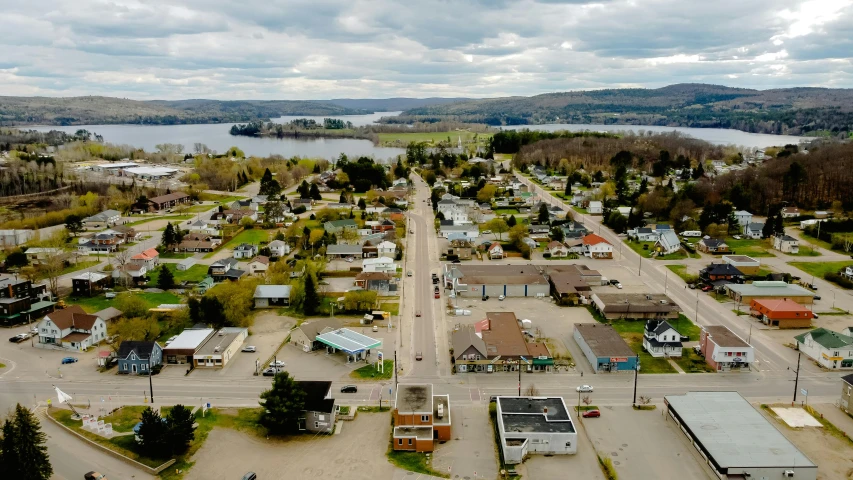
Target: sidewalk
836,417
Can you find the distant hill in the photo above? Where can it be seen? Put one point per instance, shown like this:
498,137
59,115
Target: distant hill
391,104
109,110
781,111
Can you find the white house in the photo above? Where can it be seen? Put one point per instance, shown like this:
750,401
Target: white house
245,250
790,212
786,244
278,248
259,265
380,264
661,340
495,250
149,259
847,272
644,234
743,217
107,218
71,328
828,348
594,208
597,247
558,249
668,243
753,230
386,249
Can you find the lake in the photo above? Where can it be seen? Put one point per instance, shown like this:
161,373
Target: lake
718,136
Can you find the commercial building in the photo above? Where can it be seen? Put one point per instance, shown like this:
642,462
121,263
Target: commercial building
747,265
828,348
497,344
272,295
105,219
572,284
151,173
165,201
354,344
89,283
724,350
182,349
746,293
635,306
605,350
72,328
781,312
420,418
534,425
495,280
846,392
737,441
21,301
220,348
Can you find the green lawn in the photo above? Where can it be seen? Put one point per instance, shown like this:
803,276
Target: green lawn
818,269
176,255
391,307
160,217
253,236
638,247
581,210
80,266
370,372
681,271
196,273
125,418
753,248
100,302
805,252
691,362
506,211
413,462
632,332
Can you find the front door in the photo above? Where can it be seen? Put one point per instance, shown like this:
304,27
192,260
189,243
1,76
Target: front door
133,368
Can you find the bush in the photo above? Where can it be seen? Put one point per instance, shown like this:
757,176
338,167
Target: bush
838,280
299,209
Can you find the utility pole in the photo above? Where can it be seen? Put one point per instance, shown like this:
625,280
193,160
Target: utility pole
395,369
797,378
636,374
640,268
665,279
150,384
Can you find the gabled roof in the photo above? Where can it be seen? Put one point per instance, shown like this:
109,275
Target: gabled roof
593,239
826,338
245,246
225,262
108,313
494,245
755,226
787,238
168,197
72,317
272,291
260,259
668,238
466,337
141,349
555,244
103,216
722,269
712,242
316,393
659,326
149,254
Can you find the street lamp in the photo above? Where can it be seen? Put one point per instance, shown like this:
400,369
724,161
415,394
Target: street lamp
150,383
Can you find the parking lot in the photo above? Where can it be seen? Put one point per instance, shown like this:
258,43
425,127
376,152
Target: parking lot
472,452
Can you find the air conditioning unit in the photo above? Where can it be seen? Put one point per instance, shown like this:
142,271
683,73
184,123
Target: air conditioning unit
788,474
216,349
440,413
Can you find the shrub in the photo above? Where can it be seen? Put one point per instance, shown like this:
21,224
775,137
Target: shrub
299,209
838,279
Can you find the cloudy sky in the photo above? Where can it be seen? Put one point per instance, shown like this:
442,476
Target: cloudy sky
319,49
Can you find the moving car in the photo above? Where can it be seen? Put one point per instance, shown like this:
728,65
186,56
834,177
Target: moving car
249,348
249,476
418,314
69,360
95,476
591,414
19,338
409,273
270,372
817,297
411,230
278,364
584,388
349,389
419,356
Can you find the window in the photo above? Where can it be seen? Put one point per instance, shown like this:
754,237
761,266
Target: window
410,441
142,366
316,424
399,441
424,418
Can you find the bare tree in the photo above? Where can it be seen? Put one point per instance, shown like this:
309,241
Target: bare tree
531,391
586,400
122,258
644,400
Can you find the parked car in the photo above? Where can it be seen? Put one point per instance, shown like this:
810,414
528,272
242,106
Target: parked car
110,294
419,356
411,230
707,288
501,298
277,364
409,273
486,232
19,338
249,348
349,389
817,297
95,476
591,414
249,476
270,372
614,282
350,259
376,328
69,360
485,297
619,286
585,388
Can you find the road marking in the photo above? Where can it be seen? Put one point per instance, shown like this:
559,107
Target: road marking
475,394
374,393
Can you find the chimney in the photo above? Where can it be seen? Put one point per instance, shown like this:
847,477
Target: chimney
545,411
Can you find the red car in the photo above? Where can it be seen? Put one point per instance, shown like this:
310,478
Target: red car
591,414
707,288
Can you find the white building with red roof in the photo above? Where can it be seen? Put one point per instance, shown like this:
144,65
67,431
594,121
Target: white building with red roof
148,258
595,246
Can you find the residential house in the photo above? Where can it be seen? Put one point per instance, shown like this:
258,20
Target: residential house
594,208
661,340
339,226
847,272
725,350
743,217
420,418
558,250
497,343
781,312
384,226
198,242
130,273
538,230
571,284
225,269
374,281
101,243
245,250
721,271
828,348
597,247
166,201
259,265
320,411
204,285
846,393
39,255
386,249
712,245
753,230
786,244
105,219
790,212
344,251
668,243
72,328
271,295
136,357
459,249
633,306
21,301
495,250
574,230
89,283
303,202
381,264
278,248
148,258
643,234
127,234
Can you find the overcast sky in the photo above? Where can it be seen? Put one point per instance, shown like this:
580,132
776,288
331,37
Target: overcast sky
320,49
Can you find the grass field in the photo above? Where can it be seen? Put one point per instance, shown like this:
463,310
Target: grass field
818,269
681,271
196,273
126,418
433,137
160,217
805,252
252,236
392,307
100,302
753,248
632,332
80,266
371,373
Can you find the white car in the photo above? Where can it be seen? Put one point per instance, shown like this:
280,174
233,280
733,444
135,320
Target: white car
584,388
736,237
486,232
501,297
277,364
619,286
249,348
350,259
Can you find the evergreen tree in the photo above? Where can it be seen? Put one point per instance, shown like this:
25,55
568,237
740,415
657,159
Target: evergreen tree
557,234
343,198
304,190
170,236
166,280
315,192
767,231
283,403
543,216
778,224
568,191
511,222
181,431
152,434
23,453
74,224
361,203
699,172
311,301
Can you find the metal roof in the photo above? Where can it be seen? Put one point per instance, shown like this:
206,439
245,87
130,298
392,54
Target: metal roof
272,291
348,340
733,433
770,289
191,338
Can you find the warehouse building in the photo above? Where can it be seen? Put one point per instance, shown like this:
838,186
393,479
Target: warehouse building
496,280
534,425
736,440
782,313
605,350
641,306
746,293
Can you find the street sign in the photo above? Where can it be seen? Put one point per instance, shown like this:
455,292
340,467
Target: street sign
804,392
208,405
618,359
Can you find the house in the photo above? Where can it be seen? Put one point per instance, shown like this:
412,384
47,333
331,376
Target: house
99,243
712,245
782,313
721,271
375,281
166,201
381,264
743,217
635,306
459,250
828,348
220,348
744,294
538,229
148,258
821,214
383,226
339,226
21,301
344,251
259,265
846,392
594,208
305,335
643,234
573,230
420,418
724,350
89,283
557,249
182,349
271,295
790,212
497,344
597,247
605,350
478,280
204,285
198,242
668,243
495,250
39,255
225,269
747,265
245,250
786,244
72,328
105,219
278,248
127,234
661,340
320,411
130,271
753,230
386,249
109,314
136,357
534,425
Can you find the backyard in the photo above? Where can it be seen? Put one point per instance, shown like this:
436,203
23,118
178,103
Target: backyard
196,273
819,269
100,302
253,236
751,247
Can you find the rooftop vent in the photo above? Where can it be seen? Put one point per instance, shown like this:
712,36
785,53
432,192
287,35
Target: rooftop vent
440,412
216,349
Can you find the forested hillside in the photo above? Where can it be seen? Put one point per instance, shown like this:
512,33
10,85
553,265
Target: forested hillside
793,111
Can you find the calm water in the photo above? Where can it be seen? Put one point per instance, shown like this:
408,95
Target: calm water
719,136
216,137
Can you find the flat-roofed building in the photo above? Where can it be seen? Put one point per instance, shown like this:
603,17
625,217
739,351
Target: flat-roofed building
220,348
420,418
605,350
735,438
781,312
746,293
723,349
747,265
182,349
534,425
646,306
472,280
